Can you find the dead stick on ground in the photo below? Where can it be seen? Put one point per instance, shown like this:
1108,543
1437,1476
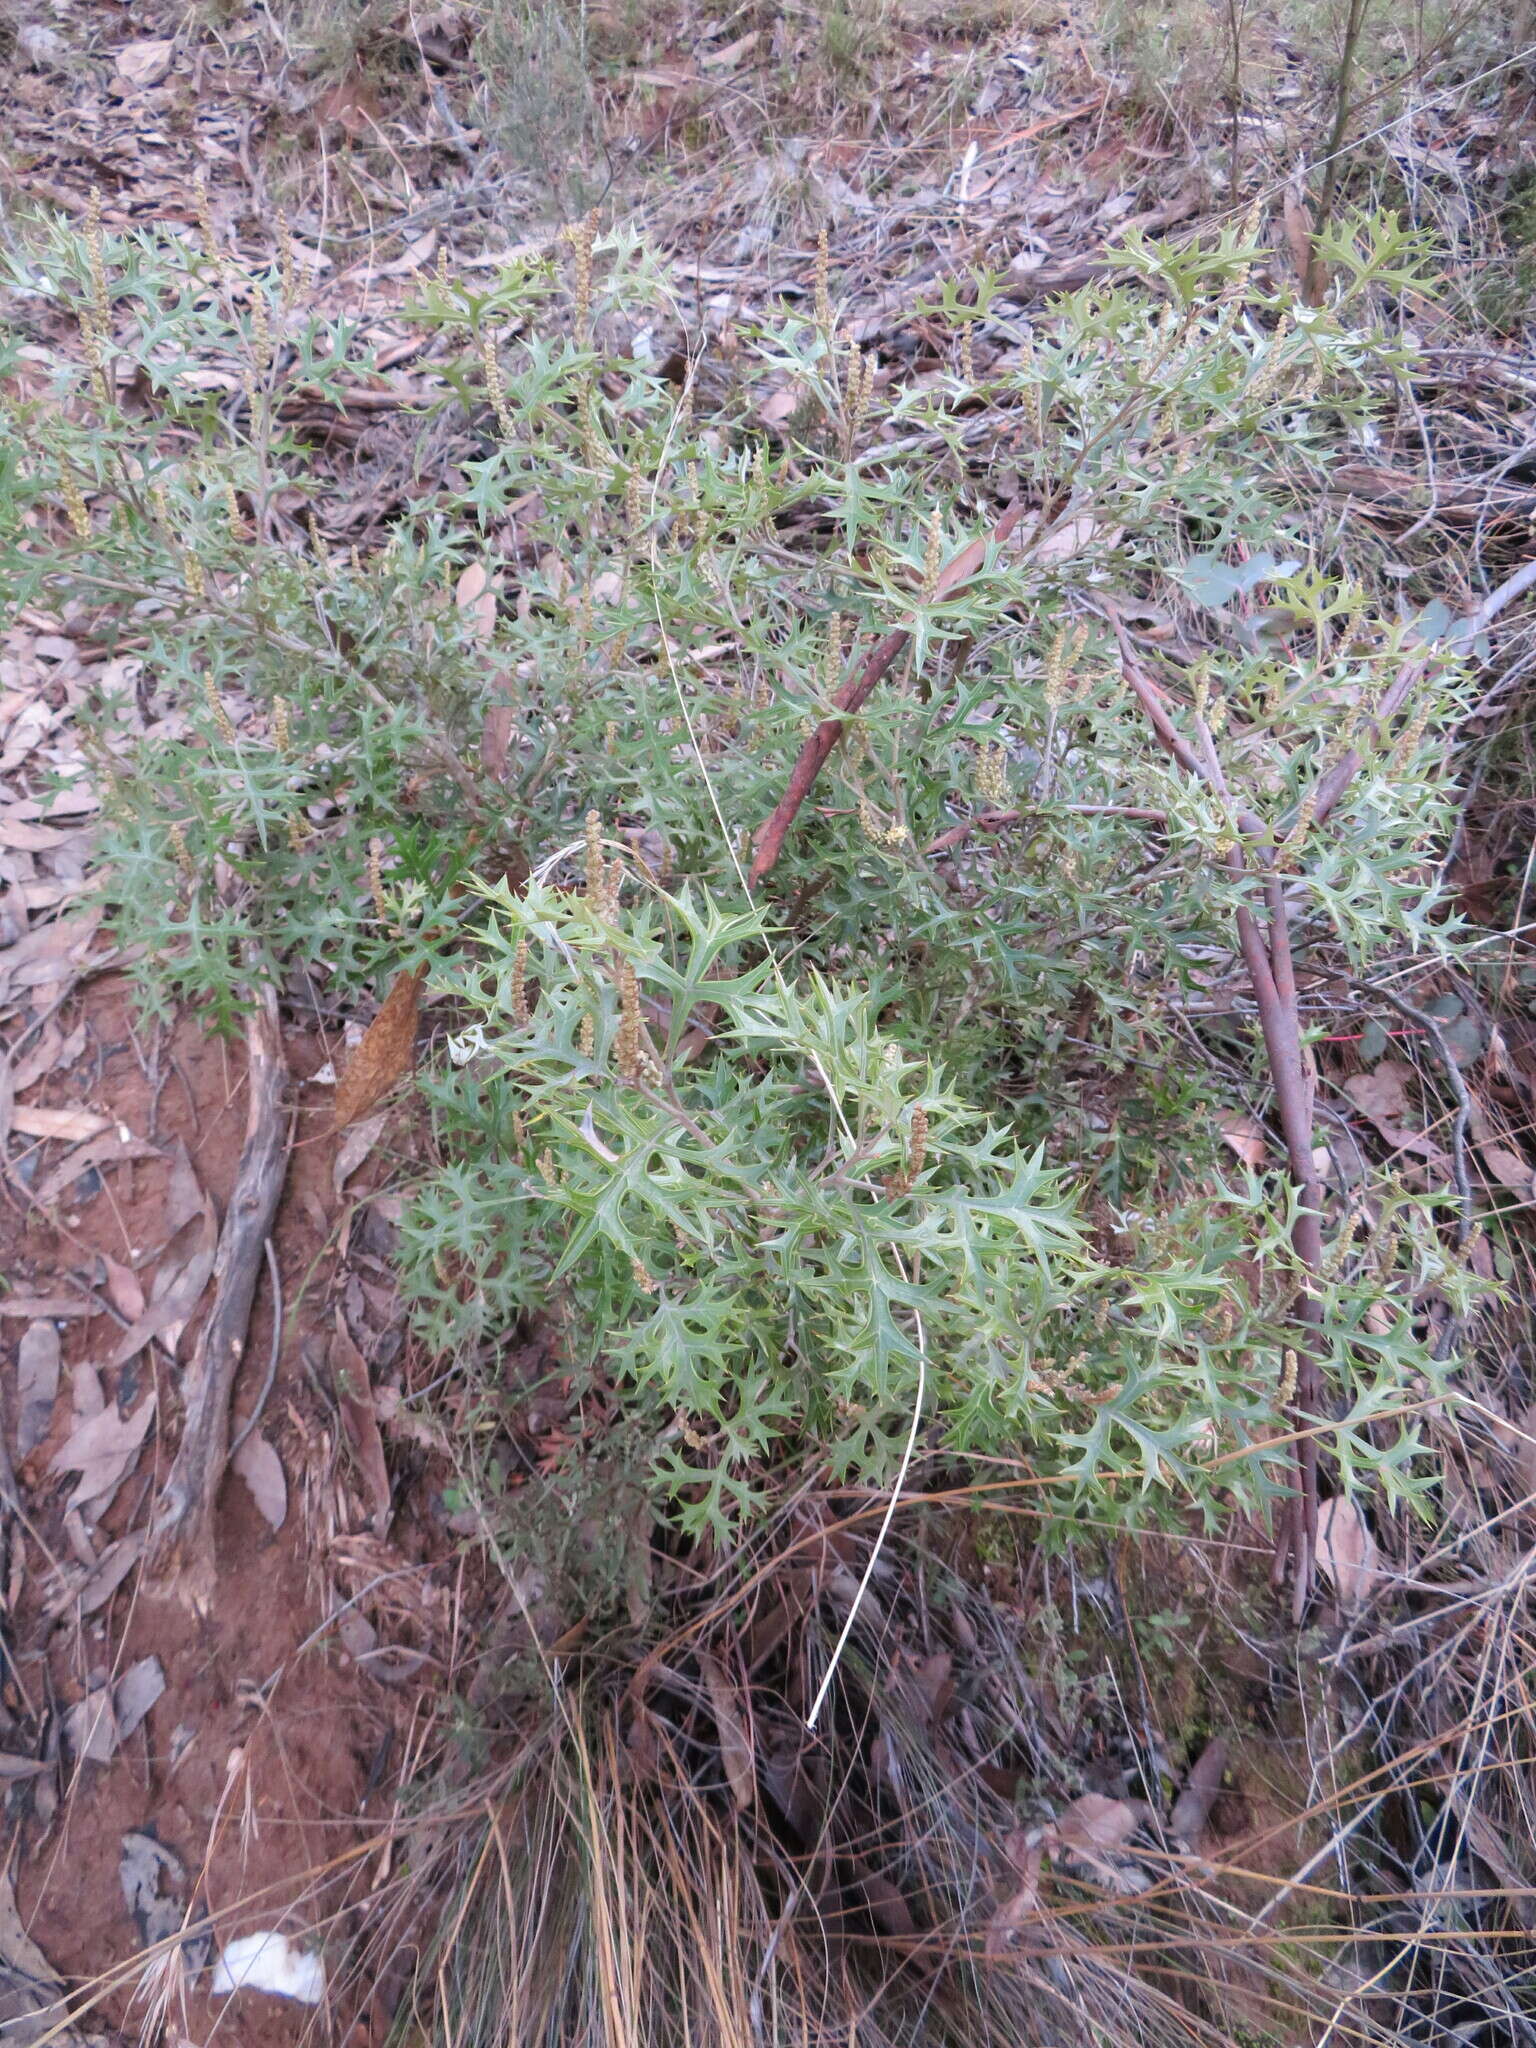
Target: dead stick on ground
855,692
184,1529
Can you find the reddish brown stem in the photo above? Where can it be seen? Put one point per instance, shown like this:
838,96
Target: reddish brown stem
1274,992
856,691
1272,974
1271,971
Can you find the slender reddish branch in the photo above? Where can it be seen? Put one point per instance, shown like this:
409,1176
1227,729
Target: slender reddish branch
855,692
1333,785
1271,971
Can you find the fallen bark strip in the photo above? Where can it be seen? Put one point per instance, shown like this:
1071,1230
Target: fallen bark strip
184,1524
856,691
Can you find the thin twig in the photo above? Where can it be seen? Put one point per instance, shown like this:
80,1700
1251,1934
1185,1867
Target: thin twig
1502,594
918,1401
1316,281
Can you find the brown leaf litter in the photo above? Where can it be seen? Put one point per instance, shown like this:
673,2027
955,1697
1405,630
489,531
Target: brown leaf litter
156,1727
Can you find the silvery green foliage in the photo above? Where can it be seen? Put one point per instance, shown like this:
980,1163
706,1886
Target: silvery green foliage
326,761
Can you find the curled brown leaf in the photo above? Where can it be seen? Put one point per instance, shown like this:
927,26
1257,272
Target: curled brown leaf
386,1054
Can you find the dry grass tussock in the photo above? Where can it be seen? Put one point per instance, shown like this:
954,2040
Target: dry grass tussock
973,1846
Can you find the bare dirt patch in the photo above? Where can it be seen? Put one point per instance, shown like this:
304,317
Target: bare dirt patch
269,1753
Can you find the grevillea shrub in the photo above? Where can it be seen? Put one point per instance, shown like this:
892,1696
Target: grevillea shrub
913,1147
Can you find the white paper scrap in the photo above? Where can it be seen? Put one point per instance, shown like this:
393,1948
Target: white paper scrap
269,1962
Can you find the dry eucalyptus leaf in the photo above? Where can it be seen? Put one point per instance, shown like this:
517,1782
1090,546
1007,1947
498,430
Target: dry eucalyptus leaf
21,836
184,1196
410,1423
477,600
110,1149
496,740
1192,1809
1297,219
77,797
147,62
135,1693
37,1384
1508,1168
1503,1161
124,1289
262,1470
52,1050
1095,1824
27,732
1382,1096
1025,1850
103,1451
34,2003
78,1536
933,1686
72,1125
178,1288
717,60
86,1397
1347,1552
1246,1137
889,1909
556,572
1383,1091
355,1147
735,1748
416,252
90,1728
50,953
108,1573
386,1054
1067,540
